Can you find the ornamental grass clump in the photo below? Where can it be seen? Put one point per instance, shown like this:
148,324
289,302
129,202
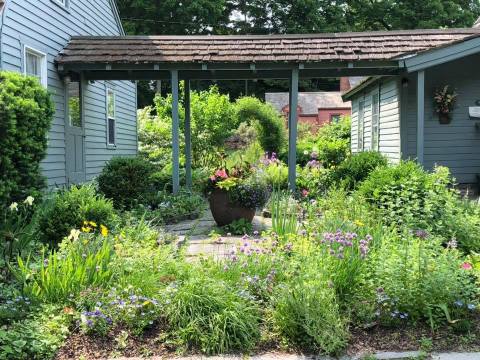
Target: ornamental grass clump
82,261
210,316
306,313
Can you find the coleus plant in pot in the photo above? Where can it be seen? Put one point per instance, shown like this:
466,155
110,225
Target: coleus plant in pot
444,102
236,194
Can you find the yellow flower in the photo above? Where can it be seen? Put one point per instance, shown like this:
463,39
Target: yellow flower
359,223
14,206
92,223
86,229
103,230
29,200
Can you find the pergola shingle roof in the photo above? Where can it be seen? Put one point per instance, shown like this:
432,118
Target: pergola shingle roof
338,47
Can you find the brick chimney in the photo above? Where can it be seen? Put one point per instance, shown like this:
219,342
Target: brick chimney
344,84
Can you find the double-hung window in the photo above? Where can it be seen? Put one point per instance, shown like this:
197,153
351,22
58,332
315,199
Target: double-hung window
360,124
375,121
35,64
111,118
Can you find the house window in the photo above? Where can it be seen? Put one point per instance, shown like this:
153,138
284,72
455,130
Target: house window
63,3
375,121
335,118
111,135
74,105
361,111
35,64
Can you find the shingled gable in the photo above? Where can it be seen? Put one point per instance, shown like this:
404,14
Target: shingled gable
341,47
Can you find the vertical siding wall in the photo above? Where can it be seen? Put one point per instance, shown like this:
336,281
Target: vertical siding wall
389,130
47,27
455,145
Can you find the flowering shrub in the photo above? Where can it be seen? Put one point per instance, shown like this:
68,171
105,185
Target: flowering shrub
419,279
16,231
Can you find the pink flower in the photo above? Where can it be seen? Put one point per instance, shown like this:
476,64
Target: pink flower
467,266
304,192
213,178
221,174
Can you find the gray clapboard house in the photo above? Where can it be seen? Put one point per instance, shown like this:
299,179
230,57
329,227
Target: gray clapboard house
395,114
94,120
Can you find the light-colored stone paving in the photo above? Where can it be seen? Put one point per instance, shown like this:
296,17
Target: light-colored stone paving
195,235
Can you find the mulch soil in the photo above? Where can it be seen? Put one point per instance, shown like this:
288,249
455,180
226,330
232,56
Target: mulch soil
362,341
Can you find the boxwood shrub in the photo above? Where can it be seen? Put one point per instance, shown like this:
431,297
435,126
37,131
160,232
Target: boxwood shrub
26,112
68,209
126,180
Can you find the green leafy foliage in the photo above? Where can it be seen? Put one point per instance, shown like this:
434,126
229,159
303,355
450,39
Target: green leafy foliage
270,124
38,337
357,167
26,112
126,180
68,209
416,278
163,207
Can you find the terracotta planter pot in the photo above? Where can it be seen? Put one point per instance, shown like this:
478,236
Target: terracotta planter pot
444,118
224,212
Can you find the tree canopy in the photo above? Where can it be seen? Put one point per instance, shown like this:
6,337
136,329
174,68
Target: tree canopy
189,17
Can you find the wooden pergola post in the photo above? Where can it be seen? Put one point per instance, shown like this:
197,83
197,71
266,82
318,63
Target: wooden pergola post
420,115
292,130
188,140
175,134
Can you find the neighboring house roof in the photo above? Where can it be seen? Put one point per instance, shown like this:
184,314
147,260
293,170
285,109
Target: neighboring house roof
381,45
309,102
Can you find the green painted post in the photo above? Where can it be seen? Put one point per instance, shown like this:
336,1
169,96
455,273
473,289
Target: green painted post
420,115
292,130
175,134
188,140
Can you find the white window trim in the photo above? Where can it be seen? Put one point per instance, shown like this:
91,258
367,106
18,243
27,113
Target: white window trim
43,64
361,126
114,118
64,4
376,146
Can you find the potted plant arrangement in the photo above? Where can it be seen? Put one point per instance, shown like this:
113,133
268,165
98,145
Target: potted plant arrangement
236,194
444,101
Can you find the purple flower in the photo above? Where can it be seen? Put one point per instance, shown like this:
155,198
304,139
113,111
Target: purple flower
421,234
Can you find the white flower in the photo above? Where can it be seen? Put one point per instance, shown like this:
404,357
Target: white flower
74,234
29,200
305,152
14,206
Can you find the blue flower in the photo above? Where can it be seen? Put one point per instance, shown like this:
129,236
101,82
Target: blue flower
471,306
458,303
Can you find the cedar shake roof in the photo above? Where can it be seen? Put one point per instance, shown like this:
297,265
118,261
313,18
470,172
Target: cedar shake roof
344,47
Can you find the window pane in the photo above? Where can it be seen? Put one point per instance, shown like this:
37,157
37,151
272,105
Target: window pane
111,131
361,106
33,66
110,104
74,112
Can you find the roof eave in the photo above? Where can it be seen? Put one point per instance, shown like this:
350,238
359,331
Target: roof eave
443,54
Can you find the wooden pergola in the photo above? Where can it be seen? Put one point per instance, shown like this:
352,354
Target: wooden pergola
291,57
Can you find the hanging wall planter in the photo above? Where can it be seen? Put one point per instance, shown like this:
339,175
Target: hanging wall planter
444,102
444,118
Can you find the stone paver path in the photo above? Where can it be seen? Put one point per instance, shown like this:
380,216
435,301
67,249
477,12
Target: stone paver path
194,234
